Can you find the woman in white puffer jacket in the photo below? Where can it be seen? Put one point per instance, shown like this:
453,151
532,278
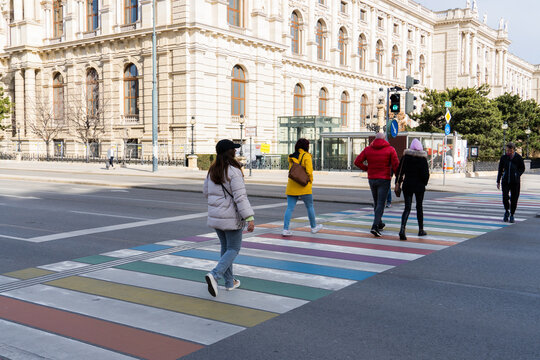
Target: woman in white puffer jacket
228,211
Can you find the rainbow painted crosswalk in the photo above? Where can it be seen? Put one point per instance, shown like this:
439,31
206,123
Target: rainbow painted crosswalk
151,301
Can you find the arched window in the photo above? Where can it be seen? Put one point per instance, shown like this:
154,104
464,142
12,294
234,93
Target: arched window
298,100
379,53
58,18
320,40
363,109
295,33
422,68
409,64
342,46
323,101
58,97
131,11
395,62
92,93
92,15
362,51
344,108
238,91
234,12
131,91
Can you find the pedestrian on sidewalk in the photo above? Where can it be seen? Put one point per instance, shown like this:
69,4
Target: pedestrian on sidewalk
228,211
295,191
381,161
511,167
110,157
414,173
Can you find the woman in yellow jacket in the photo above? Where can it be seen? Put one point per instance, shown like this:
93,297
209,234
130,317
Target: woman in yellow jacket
296,191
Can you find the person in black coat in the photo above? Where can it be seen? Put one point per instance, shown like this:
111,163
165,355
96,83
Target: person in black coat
414,173
511,167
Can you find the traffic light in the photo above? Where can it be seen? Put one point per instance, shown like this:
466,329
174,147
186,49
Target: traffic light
409,102
410,82
394,103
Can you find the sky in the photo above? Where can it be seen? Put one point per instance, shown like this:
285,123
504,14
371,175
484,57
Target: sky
522,16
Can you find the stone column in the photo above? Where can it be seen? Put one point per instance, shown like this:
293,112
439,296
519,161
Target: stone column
29,9
504,66
467,59
474,58
17,13
19,101
29,94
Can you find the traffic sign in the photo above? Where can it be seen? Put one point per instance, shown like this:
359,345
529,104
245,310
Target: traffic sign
251,131
447,104
447,116
447,129
394,128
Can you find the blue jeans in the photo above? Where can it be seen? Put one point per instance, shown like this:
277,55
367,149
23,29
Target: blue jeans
389,199
291,204
379,191
231,241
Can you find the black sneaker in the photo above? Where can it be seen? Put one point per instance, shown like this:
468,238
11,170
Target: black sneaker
381,226
512,219
506,214
375,232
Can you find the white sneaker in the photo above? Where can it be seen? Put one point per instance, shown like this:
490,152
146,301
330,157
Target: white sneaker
212,284
316,229
236,284
286,233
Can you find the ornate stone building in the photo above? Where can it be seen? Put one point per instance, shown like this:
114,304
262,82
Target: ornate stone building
225,61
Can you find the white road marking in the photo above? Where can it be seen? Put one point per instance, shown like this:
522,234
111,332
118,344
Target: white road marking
11,237
109,215
20,197
97,230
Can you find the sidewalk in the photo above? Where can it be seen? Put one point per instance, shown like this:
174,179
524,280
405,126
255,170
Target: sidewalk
142,176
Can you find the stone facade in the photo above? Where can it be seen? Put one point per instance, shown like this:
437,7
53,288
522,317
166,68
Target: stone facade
295,57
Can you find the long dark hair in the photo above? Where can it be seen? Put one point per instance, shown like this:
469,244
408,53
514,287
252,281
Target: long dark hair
300,144
219,170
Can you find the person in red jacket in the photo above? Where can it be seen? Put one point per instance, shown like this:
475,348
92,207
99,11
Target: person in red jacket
381,159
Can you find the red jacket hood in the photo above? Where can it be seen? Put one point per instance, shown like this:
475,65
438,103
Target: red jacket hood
379,143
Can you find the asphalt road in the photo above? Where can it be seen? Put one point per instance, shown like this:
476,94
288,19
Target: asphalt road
39,219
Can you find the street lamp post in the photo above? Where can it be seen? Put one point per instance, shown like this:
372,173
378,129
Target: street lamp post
241,134
19,140
528,132
154,93
192,122
504,127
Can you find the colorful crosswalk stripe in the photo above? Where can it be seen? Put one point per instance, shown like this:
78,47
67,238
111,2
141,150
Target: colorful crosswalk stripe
151,301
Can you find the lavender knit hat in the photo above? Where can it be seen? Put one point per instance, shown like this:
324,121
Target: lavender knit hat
416,145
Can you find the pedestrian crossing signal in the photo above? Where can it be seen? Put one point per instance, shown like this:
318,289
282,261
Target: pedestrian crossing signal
394,103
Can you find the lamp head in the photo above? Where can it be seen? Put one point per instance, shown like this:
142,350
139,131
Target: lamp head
504,126
528,131
241,121
192,122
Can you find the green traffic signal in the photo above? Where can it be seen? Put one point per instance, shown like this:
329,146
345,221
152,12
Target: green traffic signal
394,103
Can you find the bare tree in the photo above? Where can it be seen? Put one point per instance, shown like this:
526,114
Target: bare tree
44,124
86,117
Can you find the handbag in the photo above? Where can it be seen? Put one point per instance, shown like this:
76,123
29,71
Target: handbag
298,173
397,188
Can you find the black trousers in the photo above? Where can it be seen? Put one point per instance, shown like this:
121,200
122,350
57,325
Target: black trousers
510,195
407,196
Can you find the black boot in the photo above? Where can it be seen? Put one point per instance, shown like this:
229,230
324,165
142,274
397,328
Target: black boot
421,232
402,235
